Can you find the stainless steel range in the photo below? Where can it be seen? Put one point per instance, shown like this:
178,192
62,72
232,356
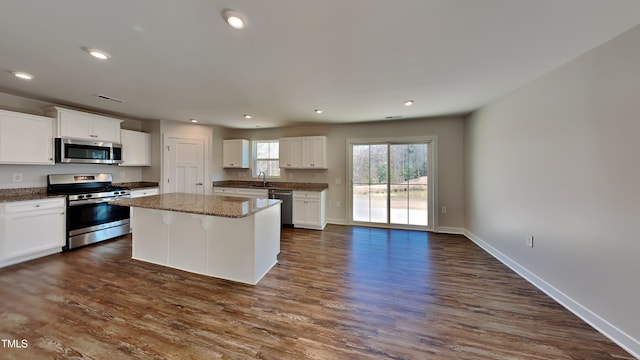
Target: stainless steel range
90,217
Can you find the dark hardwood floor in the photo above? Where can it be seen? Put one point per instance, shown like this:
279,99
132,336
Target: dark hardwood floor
343,293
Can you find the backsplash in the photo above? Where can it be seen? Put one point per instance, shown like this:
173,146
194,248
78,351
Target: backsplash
36,175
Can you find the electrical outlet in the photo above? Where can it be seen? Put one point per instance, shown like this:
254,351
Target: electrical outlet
290,175
17,178
444,209
338,203
530,241
123,174
338,180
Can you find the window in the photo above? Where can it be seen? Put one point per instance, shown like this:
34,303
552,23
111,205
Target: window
266,157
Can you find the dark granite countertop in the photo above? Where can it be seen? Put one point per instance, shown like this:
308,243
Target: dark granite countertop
223,206
137,185
25,194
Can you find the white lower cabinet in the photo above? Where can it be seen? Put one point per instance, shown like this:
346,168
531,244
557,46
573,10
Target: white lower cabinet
245,192
144,192
309,209
31,229
224,191
256,193
140,193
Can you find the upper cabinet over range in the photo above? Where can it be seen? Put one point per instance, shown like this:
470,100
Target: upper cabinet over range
80,125
136,148
307,152
25,139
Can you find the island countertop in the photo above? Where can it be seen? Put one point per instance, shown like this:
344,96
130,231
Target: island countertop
223,206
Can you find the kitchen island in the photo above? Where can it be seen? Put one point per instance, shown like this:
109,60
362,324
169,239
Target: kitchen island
233,238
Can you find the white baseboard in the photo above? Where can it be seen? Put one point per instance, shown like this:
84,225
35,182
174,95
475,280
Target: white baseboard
450,230
337,221
603,326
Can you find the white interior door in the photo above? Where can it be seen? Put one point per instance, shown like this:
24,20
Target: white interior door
185,166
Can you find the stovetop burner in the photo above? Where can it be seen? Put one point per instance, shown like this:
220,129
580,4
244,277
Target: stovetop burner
77,185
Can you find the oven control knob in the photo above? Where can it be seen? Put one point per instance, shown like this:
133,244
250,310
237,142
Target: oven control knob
80,196
88,195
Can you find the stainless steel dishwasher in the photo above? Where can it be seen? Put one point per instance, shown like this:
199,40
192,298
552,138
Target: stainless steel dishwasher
286,217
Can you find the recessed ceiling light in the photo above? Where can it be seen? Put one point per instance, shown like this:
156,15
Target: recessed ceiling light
194,120
408,103
247,116
23,75
318,111
98,54
234,19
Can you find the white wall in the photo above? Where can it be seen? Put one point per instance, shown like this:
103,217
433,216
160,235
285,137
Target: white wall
449,132
558,159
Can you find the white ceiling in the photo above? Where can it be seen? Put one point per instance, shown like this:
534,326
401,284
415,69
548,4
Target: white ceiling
358,60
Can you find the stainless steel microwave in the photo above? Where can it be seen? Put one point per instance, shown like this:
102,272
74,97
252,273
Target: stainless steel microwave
87,151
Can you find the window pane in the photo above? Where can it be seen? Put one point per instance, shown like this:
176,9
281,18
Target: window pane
262,150
262,165
274,150
361,164
274,168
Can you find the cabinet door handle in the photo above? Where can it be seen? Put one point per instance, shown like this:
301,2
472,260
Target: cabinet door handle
38,205
199,184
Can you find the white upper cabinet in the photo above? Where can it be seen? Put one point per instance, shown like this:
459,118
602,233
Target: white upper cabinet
136,148
80,125
308,152
235,153
289,153
25,139
314,152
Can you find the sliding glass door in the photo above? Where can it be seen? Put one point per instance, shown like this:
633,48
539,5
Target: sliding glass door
408,184
389,183
370,183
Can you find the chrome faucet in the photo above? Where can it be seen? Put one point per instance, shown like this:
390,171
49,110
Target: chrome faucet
264,178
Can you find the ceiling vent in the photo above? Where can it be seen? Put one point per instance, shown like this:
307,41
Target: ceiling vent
105,97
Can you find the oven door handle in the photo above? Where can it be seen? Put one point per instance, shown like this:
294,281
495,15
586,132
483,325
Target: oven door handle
90,201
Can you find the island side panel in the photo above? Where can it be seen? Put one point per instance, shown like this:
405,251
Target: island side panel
188,242
231,249
151,235
267,241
